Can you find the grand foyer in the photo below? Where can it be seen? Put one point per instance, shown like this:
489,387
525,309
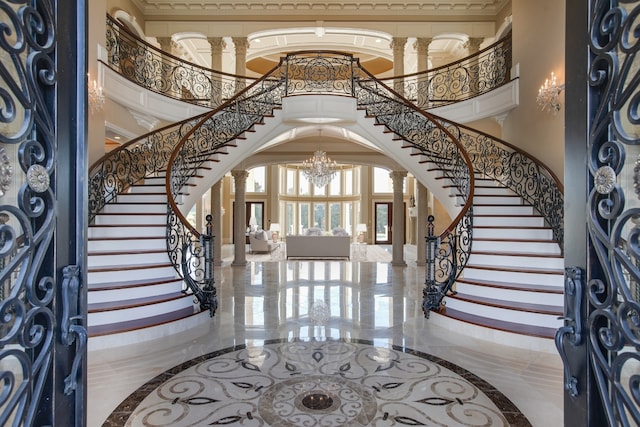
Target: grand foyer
60,352
292,110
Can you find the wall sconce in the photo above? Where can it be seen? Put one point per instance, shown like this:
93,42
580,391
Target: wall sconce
96,97
548,98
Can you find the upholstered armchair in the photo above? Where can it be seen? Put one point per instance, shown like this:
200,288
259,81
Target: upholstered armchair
259,242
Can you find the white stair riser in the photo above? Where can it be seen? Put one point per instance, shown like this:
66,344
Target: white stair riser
503,210
550,248
128,275
513,233
126,259
118,232
149,208
473,273
511,295
142,198
126,294
134,313
515,316
124,219
497,200
516,261
514,221
135,244
156,189
492,191
155,180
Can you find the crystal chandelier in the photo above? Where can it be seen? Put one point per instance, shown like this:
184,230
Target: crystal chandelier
319,169
548,98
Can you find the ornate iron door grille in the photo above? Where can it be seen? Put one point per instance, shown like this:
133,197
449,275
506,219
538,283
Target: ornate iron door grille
613,210
42,337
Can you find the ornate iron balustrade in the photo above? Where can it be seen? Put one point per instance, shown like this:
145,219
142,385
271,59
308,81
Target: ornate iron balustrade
161,72
474,75
186,246
450,250
525,175
319,72
130,163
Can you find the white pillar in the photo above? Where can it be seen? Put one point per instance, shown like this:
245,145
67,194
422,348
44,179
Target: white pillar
241,44
216,211
397,223
239,218
217,47
422,204
398,44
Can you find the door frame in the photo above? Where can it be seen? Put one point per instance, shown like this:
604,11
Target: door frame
389,223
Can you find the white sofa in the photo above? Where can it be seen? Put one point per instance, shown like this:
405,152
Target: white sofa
263,244
318,247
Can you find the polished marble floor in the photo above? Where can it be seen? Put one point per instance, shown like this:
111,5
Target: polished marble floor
363,308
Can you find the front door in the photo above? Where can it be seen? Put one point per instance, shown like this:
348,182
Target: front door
42,214
600,342
383,221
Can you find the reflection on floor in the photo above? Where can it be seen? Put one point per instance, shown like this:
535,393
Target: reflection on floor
297,337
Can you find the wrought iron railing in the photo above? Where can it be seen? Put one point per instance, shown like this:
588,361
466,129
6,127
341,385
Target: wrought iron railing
118,170
524,174
474,75
161,72
186,245
451,249
320,72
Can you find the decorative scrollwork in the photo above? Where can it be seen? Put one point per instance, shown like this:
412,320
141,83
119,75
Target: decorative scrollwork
6,172
27,284
604,180
161,72
319,72
613,291
38,178
523,174
479,73
186,247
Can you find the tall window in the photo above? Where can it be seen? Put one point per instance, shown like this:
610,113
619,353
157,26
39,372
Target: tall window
328,207
382,182
256,180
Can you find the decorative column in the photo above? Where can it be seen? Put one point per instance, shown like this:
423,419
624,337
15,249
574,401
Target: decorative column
423,211
216,211
473,46
422,48
166,46
239,218
397,223
241,44
397,45
217,47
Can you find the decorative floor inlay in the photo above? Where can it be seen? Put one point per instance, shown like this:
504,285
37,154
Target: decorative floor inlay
317,383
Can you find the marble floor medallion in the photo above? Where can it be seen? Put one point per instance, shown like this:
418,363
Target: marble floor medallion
317,383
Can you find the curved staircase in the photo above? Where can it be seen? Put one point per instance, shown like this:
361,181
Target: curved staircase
132,282
513,280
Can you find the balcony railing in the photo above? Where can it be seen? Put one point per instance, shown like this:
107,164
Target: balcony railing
464,79
161,72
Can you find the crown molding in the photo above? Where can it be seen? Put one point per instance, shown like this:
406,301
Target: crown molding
266,10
